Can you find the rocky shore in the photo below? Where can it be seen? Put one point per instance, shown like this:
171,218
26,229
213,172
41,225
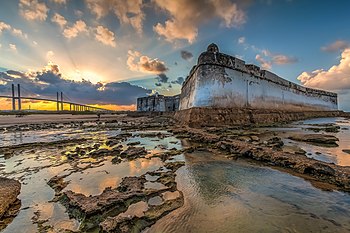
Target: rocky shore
270,152
9,205
148,147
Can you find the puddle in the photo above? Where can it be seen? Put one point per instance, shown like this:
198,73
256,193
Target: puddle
154,185
154,201
236,196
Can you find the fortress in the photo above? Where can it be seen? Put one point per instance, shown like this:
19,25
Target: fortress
220,80
222,89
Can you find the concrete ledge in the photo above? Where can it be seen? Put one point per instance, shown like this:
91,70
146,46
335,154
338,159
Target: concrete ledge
197,117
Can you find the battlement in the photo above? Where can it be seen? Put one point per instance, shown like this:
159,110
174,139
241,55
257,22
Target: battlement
221,80
213,57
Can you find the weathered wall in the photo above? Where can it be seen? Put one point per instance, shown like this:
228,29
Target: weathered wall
223,81
199,117
158,103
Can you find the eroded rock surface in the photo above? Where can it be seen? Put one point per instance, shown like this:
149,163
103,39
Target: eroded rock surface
9,204
320,139
297,162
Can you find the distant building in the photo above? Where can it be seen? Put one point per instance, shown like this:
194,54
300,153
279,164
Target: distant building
158,103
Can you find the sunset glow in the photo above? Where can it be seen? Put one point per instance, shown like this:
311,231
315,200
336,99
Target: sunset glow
109,52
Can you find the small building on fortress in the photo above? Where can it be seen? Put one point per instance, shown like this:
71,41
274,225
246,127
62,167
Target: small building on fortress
158,103
222,81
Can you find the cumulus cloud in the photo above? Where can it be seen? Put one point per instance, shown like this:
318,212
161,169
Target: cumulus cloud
49,80
267,59
241,40
33,10
49,55
138,62
179,81
60,1
73,31
98,7
336,46
105,36
281,59
128,12
186,55
15,31
264,63
19,33
186,16
59,20
335,78
4,26
162,78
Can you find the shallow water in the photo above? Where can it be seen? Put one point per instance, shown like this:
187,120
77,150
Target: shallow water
327,154
236,196
221,195
34,168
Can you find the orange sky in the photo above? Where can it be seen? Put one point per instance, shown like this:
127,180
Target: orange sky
6,104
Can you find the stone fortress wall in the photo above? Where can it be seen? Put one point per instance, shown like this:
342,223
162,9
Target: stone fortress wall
158,103
222,81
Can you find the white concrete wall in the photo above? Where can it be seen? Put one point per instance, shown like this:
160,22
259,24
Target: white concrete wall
215,86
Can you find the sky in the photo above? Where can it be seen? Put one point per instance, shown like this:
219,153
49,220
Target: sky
109,52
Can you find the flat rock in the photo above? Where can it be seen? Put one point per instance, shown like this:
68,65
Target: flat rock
346,151
316,138
9,190
133,152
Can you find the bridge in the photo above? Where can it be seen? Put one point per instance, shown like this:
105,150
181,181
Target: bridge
73,106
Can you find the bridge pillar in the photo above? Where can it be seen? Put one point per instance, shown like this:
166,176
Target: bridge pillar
19,97
13,98
61,101
58,103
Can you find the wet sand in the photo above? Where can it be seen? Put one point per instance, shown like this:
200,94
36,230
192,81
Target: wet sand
7,120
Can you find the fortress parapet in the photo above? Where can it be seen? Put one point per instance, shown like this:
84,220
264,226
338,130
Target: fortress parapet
224,81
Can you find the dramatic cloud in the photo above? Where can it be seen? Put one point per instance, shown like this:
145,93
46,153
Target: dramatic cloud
105,36
78,27
128,12
338,45
186,16
138,62
186,55
59,19
98,7
335,78
49,80
33,10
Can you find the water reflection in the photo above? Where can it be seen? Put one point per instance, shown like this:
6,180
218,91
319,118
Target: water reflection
327,154
235,196
94,180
